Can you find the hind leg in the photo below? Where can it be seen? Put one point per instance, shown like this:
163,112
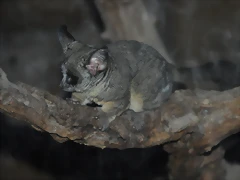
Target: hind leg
151,87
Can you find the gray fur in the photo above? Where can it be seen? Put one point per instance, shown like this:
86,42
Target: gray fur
135,73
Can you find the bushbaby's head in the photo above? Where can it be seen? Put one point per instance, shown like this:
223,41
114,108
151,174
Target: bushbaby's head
83,64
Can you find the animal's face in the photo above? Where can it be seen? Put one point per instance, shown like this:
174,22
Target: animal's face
81,68
83,63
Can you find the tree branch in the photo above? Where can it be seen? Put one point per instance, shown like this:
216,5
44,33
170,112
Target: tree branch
200,118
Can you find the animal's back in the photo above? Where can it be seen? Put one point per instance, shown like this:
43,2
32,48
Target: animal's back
151,81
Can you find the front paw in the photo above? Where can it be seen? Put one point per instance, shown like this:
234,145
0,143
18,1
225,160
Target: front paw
73,101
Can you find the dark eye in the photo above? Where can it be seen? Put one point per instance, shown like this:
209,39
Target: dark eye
71,79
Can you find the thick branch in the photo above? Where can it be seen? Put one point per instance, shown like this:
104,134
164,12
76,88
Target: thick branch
209,116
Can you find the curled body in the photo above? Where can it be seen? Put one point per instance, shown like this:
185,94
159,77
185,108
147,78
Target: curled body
119,76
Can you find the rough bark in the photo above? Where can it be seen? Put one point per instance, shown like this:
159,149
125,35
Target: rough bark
189,123
198,119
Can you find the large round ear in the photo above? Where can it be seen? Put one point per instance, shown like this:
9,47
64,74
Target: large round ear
98,61
65,38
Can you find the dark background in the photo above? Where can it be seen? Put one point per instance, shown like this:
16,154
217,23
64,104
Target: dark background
200,33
